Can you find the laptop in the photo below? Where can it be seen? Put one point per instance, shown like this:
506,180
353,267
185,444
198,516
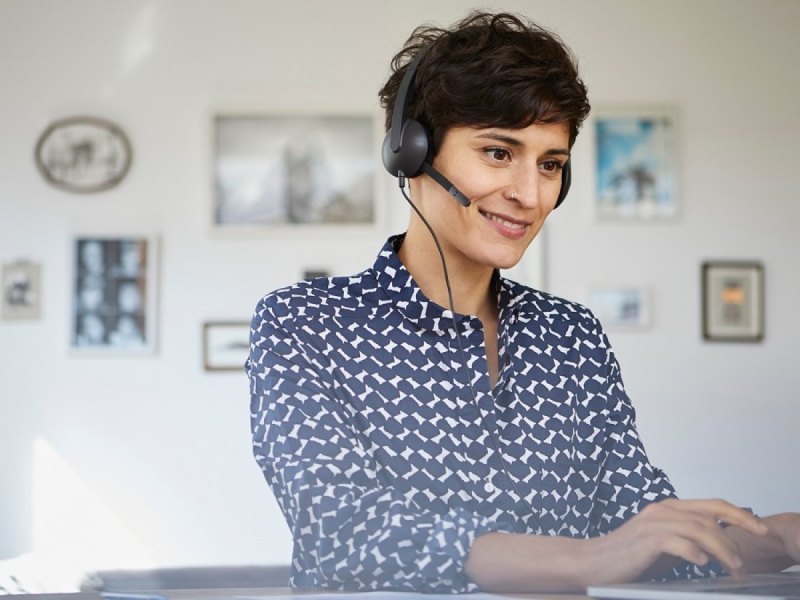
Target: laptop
755,587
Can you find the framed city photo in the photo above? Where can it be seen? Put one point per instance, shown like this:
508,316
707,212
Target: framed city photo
114,294
226,345
293,170
733,301
636,159
22,291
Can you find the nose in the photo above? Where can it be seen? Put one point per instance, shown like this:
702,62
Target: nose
527,185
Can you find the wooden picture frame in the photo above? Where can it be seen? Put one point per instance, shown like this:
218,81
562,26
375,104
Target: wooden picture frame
733,301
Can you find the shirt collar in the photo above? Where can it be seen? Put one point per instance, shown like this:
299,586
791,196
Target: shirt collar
399,286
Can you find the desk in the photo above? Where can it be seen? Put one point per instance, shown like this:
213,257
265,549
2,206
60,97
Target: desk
231,593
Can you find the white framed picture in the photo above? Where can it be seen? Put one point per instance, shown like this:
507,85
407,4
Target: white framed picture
293,170
114,294
636,174
22,291
621,307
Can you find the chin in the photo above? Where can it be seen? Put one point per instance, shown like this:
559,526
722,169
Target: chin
505,260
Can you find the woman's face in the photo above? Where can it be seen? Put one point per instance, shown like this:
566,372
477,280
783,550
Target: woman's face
512,178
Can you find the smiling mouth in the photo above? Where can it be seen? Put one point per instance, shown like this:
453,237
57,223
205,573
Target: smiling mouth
517,225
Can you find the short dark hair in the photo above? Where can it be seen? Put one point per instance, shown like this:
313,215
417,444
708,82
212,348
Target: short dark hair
488,70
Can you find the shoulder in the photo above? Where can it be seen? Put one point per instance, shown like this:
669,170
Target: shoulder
315,300
540,305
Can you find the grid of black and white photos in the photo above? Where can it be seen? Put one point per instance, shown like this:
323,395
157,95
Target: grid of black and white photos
114,294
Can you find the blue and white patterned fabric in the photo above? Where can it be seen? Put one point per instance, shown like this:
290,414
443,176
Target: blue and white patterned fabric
381,458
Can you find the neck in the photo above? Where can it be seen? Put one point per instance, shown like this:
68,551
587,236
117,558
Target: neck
470,282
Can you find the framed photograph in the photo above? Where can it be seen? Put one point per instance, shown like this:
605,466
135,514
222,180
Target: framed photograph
22,291
733,301
621,307
293,170
226,345
114,294
636,158
83,154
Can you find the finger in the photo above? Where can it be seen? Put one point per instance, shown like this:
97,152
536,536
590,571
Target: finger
711,540
723,511
681,527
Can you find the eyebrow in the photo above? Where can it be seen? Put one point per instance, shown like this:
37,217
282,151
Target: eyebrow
512,141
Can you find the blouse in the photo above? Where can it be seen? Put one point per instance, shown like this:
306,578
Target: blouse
389,451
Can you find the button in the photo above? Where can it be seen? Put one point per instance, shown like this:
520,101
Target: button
488,487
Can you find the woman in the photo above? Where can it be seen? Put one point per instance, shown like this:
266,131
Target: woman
490,446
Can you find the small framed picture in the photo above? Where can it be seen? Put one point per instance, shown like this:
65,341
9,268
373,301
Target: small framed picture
226,345
22,291
733,301
114,294
636,158
620,307
315,273
293,170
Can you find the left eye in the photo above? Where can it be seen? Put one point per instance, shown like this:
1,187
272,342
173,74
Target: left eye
551,166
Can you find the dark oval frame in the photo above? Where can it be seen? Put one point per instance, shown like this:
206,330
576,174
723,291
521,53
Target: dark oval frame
66,185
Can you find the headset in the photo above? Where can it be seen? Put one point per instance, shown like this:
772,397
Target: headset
407,147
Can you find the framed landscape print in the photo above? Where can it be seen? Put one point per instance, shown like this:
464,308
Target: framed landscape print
733,301
293,170
114,294
636,160
226,345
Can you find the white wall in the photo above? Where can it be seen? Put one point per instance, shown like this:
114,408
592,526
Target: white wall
148,460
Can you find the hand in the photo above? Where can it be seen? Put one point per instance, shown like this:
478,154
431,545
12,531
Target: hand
666,532
791,536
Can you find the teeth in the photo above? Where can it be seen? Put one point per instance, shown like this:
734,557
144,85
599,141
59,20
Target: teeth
503,222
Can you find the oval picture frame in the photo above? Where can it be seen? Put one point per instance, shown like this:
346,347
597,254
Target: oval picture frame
83,154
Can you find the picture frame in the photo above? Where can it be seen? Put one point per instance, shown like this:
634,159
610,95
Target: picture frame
636,159
621,307
733,301
22,291
114,300
290,170
226,345
83,154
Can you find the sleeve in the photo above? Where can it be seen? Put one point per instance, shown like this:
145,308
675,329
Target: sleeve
628,482
350,530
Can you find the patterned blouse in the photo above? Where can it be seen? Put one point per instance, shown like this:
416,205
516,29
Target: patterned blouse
387,463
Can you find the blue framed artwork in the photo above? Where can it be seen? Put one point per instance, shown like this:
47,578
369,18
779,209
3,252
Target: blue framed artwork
636,177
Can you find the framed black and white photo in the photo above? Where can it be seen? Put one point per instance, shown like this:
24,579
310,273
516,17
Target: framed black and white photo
636,163
226,345
293,170
114,294
22,291
620,307
733,301
83,154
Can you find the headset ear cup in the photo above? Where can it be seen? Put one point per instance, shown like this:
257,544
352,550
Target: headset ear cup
566,181
411,154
